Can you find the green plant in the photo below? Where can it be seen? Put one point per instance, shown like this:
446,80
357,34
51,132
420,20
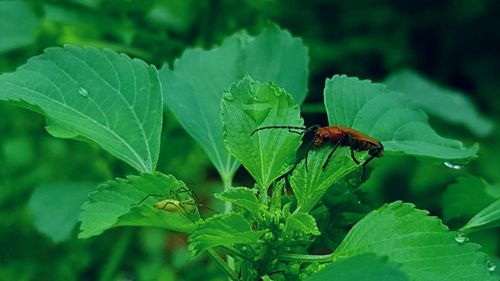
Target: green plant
220,97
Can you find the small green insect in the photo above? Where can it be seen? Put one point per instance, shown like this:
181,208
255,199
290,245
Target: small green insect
176,203
173,205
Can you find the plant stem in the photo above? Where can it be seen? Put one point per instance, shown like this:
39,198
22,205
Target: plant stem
227,181
306,258
116,256
223,265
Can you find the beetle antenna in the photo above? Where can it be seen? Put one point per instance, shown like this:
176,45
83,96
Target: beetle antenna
303,129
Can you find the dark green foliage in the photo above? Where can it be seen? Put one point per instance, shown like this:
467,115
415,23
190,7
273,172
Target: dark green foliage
224,71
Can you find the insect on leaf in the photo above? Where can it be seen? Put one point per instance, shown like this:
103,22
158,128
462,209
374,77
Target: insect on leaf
248,105
121,203
97,95
389,117
193,88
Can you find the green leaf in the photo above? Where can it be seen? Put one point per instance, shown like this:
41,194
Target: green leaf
450,105
241,196
18,25
248,105
311,182
423,246
94,94
301,223
193,90
389,117
55,207
360,268
275,56
222,230
488,217
116,203
466,197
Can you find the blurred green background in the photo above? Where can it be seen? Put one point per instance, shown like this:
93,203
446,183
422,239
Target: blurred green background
451,42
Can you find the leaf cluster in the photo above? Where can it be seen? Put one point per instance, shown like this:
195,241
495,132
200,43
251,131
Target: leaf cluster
117,102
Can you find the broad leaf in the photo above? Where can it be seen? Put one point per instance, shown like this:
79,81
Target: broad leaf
249,105
99,95
18,25
450,105
194,88
360,268
55,208
466,197
122,202
310,182
389,117
488,217
301,223
423,246
222,230
241,196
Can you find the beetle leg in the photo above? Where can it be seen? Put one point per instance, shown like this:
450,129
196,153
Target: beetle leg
295,132
364,164
331,153
307,153
354,158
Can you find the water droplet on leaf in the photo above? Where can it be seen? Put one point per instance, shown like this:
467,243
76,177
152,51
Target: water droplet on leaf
83,92
491,266
461,238
452,166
